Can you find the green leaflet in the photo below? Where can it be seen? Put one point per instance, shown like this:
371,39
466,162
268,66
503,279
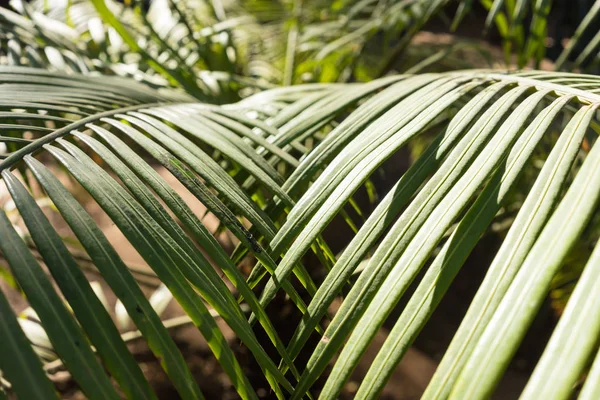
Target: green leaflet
88,309
382,216
404,230
229,144
454,252
203,165
522,235
246,132
19,363
199,271
573,340
117,275
216,294
350,127
340,136
347,172
163,255
197,187
62,329
493,13
517,309
419,247
335,141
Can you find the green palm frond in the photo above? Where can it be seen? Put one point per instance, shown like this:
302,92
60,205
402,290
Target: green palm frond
276,169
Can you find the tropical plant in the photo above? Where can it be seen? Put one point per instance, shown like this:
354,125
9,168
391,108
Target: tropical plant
91,111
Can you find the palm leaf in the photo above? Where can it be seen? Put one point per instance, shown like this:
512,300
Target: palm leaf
366,296
164,242
289,161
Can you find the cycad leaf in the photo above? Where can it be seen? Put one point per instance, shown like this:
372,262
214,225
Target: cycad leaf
275,170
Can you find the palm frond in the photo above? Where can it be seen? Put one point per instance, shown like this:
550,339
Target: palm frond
276,169
475,150
160,239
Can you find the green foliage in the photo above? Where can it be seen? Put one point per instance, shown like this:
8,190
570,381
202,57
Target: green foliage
92,105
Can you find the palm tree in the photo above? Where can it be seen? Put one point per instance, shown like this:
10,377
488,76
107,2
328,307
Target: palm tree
94,105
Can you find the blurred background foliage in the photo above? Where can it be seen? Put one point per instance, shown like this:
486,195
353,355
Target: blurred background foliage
223,50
